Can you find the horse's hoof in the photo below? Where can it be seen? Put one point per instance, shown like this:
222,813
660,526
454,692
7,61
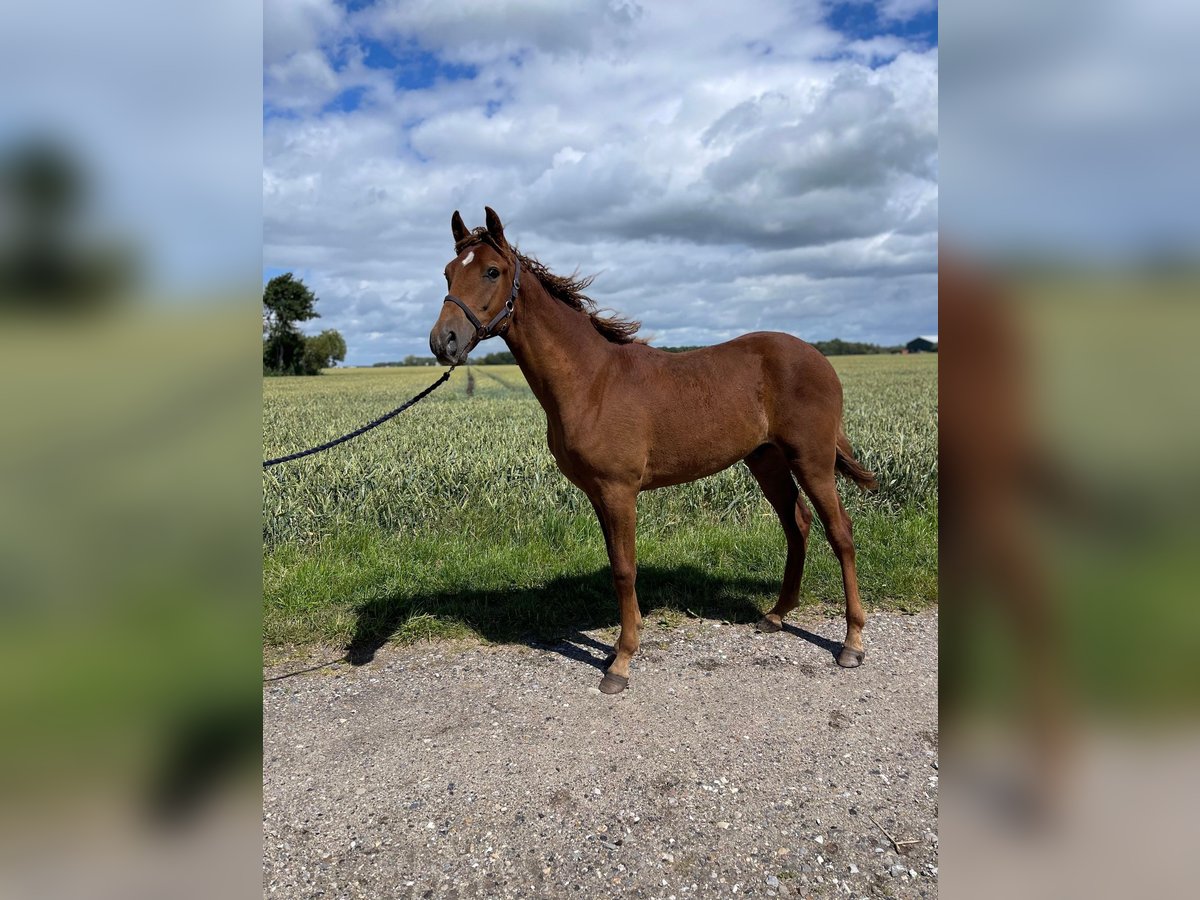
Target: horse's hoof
850,658
767,626
613,684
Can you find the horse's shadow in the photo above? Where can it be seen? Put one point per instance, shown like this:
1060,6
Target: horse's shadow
555,615
832,647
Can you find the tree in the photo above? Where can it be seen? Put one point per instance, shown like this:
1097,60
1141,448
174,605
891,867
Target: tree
503,358
286,301
838,347
323,351
283,353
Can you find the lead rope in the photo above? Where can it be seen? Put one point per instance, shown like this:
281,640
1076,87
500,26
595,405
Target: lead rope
364,429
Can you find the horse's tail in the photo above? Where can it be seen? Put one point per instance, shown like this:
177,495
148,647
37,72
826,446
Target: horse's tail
851,467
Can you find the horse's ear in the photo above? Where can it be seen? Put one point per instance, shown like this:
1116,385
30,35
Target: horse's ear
457,228
494,226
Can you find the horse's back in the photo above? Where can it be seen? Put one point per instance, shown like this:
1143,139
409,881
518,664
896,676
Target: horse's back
800,392
774,347
705,409
787,366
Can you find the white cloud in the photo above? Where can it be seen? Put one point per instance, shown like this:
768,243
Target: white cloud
303,81
726,167
292,26
904,10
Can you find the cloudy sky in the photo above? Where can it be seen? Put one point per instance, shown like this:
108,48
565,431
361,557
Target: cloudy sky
724,167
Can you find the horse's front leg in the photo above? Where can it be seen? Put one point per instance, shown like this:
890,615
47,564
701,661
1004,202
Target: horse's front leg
616,507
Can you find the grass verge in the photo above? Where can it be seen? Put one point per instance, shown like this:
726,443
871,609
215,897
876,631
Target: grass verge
546,578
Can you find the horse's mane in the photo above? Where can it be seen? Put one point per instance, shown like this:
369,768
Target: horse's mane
568,289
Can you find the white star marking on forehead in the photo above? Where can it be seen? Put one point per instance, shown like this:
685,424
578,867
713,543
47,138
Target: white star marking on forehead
470,256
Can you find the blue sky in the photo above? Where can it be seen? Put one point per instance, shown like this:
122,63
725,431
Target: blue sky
724,168
867,20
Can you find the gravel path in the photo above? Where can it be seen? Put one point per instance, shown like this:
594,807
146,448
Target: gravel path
736,764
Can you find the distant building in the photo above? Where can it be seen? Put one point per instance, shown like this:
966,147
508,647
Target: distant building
926,343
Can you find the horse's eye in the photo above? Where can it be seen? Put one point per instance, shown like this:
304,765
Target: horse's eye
493,272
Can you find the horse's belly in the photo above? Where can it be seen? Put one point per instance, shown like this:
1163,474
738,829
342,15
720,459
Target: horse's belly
698,452
667,475
655,447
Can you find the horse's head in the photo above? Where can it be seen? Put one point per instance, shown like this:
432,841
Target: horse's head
483,280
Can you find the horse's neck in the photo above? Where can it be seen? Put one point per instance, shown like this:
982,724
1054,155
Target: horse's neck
557,348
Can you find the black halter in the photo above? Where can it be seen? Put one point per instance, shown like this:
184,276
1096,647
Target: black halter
481,333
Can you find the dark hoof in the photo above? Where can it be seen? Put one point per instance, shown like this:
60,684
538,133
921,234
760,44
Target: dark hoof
850,659
613,684
766,626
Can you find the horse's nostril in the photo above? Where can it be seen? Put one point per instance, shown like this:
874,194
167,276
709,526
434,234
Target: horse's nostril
451,342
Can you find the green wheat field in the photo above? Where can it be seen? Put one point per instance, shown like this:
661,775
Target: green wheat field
452,519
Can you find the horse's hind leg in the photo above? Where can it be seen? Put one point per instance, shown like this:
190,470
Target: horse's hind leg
818,482
770,469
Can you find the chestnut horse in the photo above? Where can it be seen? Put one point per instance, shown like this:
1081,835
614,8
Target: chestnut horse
624,417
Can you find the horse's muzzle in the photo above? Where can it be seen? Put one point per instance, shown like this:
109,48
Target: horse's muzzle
451,345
